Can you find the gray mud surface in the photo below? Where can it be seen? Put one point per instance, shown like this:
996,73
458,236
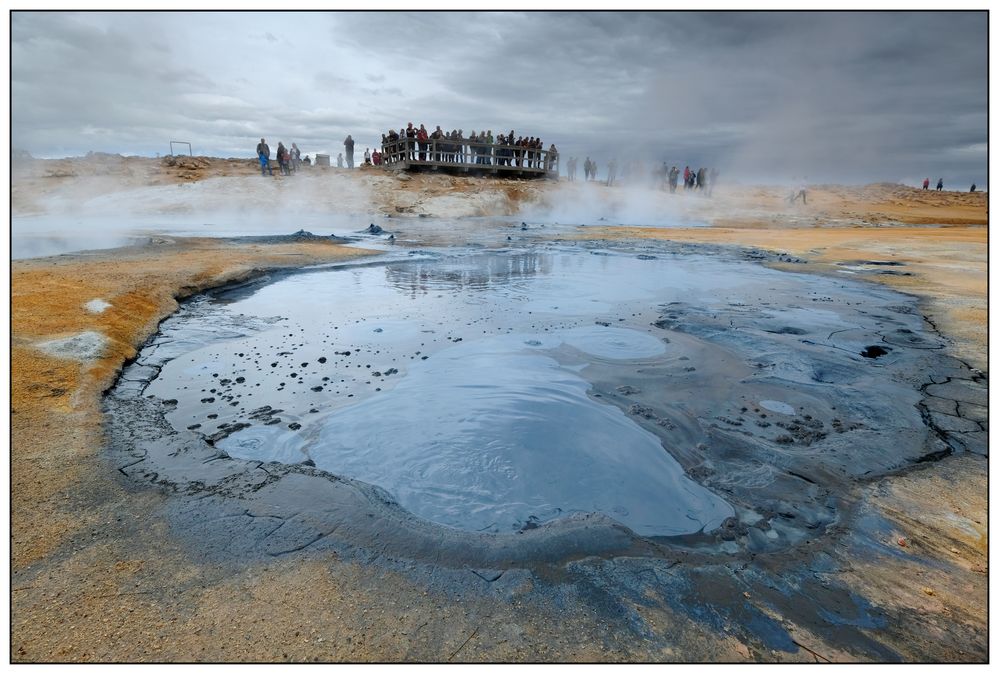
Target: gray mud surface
341,410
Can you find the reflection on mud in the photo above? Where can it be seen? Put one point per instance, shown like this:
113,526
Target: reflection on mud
491,392
476,273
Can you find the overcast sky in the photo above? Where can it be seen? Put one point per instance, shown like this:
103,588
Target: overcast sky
848,97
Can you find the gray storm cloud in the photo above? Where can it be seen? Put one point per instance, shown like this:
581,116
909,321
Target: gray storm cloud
836,96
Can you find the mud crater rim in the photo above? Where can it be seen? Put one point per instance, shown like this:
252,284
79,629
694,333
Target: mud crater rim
739,527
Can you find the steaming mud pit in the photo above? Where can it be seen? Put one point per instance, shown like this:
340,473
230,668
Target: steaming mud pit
512,407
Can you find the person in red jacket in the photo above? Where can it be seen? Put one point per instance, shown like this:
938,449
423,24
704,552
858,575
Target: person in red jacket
421,138
926,184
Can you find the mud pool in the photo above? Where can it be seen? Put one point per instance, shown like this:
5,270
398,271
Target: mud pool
697,396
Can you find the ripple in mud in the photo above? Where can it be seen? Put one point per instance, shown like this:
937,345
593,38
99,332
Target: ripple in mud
492,392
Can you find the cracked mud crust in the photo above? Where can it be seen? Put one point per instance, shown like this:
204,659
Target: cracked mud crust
98,574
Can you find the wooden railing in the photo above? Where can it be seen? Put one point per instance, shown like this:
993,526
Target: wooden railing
464,153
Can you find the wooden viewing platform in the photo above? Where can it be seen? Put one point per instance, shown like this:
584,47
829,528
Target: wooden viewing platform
465,156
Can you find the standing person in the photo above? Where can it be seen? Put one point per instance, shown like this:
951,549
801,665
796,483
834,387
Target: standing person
611,172
587,169
339,160
367,155
437,136
421,138
473,151
393,145
296,157
570,168
264,156
973,187
552,159
348,147
282,157
926,184
593,170
940,184
410,141
686,177
674,176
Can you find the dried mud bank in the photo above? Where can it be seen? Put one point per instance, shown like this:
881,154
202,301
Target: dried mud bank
76,319
798,574
100,572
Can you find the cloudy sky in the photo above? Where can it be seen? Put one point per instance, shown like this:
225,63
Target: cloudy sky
848,97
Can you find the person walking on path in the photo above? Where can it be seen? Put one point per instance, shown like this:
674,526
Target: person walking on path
939,184
926,184
264,155
348,146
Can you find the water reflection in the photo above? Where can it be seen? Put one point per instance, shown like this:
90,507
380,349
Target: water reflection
478,273
457,383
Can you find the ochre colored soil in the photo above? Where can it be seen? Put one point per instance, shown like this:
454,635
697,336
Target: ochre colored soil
97,576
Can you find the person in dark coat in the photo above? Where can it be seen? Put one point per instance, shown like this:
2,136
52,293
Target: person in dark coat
348,146
264,156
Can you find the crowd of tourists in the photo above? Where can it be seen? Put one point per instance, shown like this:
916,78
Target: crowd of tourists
416,144
289,159
453,147
664,176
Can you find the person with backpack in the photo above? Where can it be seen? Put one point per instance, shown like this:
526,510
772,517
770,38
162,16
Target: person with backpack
264,156
282,157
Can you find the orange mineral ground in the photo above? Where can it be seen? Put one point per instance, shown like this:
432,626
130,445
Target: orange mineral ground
97,576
